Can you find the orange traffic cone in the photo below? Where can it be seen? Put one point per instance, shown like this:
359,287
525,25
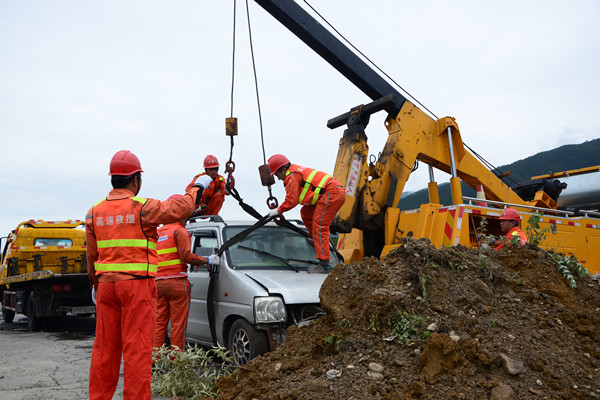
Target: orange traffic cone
481,196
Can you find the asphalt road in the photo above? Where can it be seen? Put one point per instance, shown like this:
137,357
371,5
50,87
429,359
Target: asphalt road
50,365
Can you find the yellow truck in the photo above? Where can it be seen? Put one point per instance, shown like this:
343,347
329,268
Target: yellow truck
371,222
43,272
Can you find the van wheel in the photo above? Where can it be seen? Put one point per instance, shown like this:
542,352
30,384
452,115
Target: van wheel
246,342
34,323
8,315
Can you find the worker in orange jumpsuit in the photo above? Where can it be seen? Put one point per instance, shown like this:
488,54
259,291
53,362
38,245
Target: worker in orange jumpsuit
122,262
509,225
320,195
213,196
172,285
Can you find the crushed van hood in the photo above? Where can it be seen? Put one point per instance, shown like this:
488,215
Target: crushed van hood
295,288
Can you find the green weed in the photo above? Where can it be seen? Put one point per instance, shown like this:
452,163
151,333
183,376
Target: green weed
481,232
457,266
374,323
332,341
191,373
344,323
534,232
404,325
423,284
567,266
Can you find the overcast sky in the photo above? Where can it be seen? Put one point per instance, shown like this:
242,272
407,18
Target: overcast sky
80,80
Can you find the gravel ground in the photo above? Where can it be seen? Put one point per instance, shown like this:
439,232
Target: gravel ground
49,365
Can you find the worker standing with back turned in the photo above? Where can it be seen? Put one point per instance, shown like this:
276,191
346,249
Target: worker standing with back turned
172,284
320,195
509,225
122,263
213,196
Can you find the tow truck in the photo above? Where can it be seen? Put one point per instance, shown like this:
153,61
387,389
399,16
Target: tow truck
43,272
371,222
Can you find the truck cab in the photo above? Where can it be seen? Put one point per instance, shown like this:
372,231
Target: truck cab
263,285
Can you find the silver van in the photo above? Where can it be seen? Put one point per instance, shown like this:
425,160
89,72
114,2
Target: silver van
262,286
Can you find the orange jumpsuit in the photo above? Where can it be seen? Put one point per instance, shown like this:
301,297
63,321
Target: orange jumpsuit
515,231
126,301
213,196
317,217
172,285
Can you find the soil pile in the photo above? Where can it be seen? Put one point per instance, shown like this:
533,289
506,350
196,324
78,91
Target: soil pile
427,323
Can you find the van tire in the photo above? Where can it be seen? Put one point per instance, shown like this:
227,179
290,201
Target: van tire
246,342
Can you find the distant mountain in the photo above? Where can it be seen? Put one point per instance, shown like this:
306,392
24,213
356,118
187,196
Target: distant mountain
564,158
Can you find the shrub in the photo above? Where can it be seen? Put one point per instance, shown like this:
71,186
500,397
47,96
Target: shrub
191,373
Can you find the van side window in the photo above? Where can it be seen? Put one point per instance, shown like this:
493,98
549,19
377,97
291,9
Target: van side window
204,243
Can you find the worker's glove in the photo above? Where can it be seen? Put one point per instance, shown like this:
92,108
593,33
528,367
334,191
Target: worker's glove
273,213
213,263
203,181
94,294
213,259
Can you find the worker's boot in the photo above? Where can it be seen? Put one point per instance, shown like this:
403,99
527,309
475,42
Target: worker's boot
321,268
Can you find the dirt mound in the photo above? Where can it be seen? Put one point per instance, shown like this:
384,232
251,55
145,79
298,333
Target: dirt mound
425,323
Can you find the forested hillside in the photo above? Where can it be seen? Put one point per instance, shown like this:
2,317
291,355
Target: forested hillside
571,156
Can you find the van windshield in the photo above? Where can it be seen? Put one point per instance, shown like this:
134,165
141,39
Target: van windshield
272,247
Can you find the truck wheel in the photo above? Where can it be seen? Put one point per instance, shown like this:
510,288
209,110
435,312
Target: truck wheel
246,342
8,315
34,323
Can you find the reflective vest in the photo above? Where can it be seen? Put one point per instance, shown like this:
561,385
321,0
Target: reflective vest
169,263
516,231
313,182
122,244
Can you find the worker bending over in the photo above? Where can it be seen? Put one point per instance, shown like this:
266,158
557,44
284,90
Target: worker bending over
213,196
172,285
320,195
509,225
122,263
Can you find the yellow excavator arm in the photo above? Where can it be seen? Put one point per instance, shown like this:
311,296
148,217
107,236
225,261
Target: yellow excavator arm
412,136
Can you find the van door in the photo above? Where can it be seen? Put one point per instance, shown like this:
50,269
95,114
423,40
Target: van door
204,243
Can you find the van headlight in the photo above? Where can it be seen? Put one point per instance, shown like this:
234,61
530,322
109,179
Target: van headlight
269,309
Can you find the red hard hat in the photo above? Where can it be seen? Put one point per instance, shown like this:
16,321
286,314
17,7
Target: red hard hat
175,197
277,161
124,162
510,214
211,162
